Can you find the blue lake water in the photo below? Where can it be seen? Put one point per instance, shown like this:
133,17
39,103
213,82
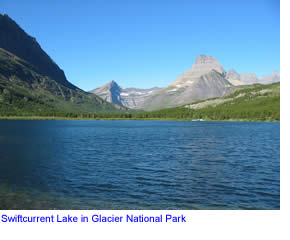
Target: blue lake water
139,165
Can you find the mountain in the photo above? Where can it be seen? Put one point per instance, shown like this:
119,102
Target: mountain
133,98
273,77
16,41
202,66
257,102
234,78
31,81
110,92
254,102
250,78
204,80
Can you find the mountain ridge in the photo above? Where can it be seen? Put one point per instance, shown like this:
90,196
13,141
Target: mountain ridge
128,97
25,66
205,79
27,85
15,40
251,78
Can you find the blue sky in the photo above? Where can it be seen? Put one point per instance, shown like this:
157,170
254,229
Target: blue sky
150,43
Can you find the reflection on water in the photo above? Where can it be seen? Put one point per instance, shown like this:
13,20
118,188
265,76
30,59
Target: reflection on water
139,165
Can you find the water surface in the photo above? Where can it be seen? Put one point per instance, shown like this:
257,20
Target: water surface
139,165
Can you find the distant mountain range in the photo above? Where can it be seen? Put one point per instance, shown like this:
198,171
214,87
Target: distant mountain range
206,79
129,97
250,78
30,81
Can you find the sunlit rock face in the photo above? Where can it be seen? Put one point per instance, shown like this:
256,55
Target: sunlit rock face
202,65
205,79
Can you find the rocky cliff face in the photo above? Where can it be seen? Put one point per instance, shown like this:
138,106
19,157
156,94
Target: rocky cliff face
133,98
202,65
110,92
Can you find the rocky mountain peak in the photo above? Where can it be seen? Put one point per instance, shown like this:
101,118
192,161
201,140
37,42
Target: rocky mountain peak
113,84
203,59
232,74
205,63
5,17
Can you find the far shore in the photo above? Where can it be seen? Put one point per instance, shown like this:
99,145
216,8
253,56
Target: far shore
133,119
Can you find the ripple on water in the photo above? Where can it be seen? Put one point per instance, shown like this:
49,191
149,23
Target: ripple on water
139,165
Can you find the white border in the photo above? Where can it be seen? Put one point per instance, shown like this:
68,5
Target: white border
201,224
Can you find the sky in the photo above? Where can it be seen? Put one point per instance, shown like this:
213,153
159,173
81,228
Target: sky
149,43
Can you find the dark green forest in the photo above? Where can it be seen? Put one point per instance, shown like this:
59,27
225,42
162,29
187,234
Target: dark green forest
253,103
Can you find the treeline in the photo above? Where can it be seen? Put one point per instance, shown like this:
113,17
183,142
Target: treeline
252,105
261,109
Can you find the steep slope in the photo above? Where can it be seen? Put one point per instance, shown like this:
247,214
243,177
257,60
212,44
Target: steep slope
110,92
17,41
202,65
133,98
28,77
204,80
23,89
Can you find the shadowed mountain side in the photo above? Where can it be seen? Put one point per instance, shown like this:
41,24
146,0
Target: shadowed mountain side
15,40
110,92
31,81
21,87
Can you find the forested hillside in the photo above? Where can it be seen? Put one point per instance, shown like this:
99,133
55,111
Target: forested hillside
253,103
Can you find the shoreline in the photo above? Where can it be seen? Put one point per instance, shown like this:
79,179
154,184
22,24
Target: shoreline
129,119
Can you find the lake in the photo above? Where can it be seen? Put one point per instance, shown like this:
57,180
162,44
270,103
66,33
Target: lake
139,165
